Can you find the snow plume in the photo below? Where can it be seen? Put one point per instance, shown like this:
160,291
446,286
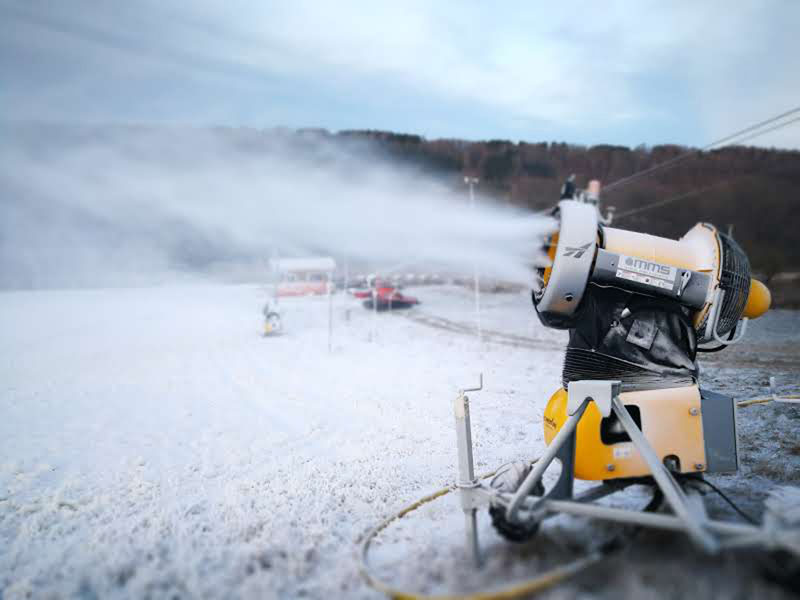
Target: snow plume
98,206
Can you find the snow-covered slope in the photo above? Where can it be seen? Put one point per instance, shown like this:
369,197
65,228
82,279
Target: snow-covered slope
154,444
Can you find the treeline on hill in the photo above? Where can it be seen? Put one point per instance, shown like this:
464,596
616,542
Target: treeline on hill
753,190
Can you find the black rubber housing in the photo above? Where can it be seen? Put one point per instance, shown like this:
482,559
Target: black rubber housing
515,532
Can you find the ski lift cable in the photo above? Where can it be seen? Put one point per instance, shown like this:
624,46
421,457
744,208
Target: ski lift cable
752,130
773,128
708,187
670,200
727,140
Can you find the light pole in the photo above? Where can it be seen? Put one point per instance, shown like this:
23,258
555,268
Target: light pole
472,182
330,311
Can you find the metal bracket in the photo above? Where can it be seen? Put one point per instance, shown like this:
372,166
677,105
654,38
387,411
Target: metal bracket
471,496
711,332
685,277
601,391
475,389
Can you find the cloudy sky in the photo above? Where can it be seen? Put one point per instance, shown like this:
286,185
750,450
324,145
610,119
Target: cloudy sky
584,72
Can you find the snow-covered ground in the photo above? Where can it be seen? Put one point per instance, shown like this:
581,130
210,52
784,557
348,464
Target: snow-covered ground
154,444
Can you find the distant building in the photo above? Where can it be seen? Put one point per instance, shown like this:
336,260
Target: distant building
302,276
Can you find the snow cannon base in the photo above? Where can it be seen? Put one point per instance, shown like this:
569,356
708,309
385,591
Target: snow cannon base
519,503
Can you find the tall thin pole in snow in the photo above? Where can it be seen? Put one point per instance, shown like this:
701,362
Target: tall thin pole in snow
275,275
330,313
471,181
374,309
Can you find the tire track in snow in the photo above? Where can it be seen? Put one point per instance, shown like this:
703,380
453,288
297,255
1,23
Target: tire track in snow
489,335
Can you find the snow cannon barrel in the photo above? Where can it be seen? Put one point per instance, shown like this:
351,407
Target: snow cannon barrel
705,271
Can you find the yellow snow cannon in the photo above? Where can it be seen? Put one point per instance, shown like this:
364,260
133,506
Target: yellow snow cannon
639,307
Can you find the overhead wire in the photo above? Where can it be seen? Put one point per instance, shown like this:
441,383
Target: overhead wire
728,139
670,200
774,128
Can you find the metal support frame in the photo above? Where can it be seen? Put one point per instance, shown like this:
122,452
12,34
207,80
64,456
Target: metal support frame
564,434
666,482
689,514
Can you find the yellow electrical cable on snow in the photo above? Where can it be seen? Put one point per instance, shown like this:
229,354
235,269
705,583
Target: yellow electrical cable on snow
519,590
764,400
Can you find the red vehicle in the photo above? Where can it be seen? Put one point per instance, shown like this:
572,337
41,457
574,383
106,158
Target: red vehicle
387,297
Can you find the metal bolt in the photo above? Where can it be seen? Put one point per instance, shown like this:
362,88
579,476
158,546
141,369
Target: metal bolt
569,297
699,466
694,411
610,467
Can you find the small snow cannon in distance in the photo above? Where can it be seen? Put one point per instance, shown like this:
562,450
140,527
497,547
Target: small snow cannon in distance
272,320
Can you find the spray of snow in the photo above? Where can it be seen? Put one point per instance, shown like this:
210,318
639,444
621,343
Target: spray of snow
137,205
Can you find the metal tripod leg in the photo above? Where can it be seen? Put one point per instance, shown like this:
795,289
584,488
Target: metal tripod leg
671,489
563,488
563,436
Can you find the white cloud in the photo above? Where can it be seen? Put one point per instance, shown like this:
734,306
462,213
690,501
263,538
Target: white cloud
586,66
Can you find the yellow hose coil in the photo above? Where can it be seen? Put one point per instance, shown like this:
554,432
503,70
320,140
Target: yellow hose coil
518,590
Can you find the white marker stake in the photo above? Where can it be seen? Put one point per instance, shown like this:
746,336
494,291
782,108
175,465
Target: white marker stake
330,314
471,181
